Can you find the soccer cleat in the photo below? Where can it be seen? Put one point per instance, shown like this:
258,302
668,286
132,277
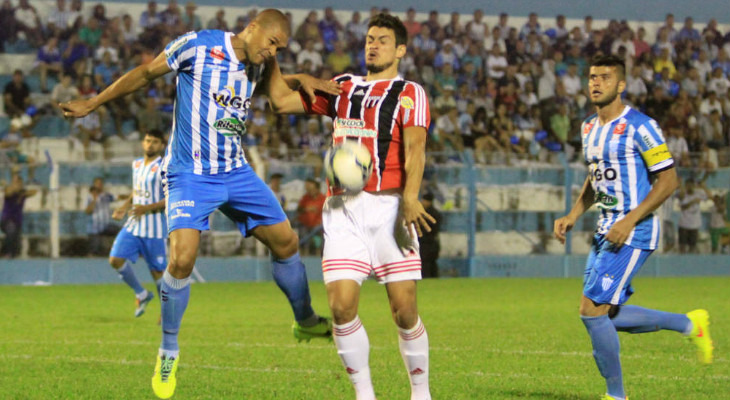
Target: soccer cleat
323,329
700,334
609,397
142,304
163,381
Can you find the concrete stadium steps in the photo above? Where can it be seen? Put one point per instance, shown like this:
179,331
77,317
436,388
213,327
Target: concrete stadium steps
11,62
509,242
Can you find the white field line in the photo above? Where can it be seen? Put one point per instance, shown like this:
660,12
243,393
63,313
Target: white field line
687,353
92,360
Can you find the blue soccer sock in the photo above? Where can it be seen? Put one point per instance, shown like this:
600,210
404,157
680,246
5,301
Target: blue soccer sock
291,277
174,296
606,352
635,319
128,276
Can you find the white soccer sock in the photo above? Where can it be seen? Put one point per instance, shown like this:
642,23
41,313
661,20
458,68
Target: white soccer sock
413,345
353,347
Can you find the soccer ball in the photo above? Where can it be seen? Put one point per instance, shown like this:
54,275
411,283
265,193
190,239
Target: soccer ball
348,165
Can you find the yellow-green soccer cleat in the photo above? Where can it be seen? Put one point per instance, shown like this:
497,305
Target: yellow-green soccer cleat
163,381
700,334
607,397
323,329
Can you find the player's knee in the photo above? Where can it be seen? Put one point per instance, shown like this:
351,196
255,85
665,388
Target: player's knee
405,315
116,262
343,313
286,247
181,261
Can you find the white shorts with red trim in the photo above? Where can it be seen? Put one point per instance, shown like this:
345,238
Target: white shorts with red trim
365,234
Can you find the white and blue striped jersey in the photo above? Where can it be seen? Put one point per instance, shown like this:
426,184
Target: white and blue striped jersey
147,189
621,155
213,98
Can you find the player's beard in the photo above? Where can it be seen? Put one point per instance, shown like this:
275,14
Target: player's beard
608,100
376,69
150,153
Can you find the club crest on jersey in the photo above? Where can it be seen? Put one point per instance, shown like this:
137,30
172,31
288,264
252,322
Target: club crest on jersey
619,129
606,283
154,168
227,98
407,103
137,163
372,101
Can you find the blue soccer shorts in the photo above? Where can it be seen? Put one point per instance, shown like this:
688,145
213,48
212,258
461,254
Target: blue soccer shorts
240,194
129,247
609,271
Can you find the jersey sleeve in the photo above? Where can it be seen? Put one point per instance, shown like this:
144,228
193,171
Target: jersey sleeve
319,107
414,108
649,140
180,53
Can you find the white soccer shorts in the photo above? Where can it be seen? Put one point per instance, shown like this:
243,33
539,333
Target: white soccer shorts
365,234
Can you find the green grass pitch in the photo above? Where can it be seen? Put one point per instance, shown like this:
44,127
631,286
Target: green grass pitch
490,339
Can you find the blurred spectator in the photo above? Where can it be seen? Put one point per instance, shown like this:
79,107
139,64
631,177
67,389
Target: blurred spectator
63,91
309,31
356,30
494,38
339,60
29,23
476,29
91,33
625,41
453,29
713,130
690,218
275,186
668,28
11,221
641,47
496,63
424,47
433,25
710,103
99,13
503,25
449,130
48,61
309,53
635,86
59,19
98,207
688,32
150,18
171,16
10,147
106,46
87,130
309,215
190,20
150,118
703,65
16,95
412,26
312,143
691,82
718,83
429,243
329,29
447,55
106,72
719,224
8,24
74,56
560,124
219,21
531,26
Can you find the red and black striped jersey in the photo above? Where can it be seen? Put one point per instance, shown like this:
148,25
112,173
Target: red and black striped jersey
376,113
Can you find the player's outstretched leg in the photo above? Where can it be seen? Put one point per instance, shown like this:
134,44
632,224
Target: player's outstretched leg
694,325
412,336
174,296
351,339
125,271
291,277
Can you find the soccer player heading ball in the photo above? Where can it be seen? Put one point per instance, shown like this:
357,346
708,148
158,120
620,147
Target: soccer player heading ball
205,167
630,174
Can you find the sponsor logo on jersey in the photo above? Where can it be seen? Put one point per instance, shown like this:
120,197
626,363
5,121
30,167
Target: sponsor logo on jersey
217,53
587,128
227,98
605,200
407,103
346,127
606,283
619,129
179,214
178,43
154,168
349,123
137,163
230,127
648,140
183,203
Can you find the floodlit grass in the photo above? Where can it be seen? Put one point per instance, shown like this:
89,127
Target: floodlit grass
490,339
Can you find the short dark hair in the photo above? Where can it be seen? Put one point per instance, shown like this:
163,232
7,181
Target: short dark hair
156,133
610,61
393,23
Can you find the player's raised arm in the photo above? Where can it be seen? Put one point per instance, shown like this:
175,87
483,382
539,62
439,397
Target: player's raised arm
283,90
585,200
128,83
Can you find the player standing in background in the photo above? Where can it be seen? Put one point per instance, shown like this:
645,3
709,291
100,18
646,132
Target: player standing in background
390,116
631,173
145,230
205,168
